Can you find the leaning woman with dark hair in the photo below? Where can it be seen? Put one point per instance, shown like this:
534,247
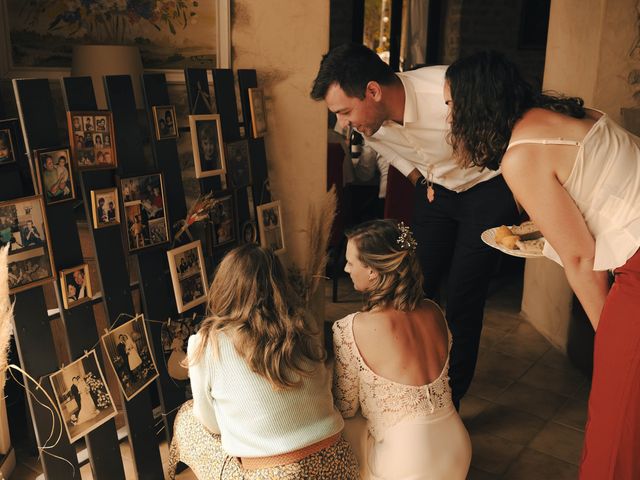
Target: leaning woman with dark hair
259,380
392,362
577,173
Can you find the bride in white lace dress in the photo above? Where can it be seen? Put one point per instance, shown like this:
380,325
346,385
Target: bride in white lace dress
392,362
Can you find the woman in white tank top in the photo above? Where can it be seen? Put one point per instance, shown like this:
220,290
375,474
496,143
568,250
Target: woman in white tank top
392,362
577,174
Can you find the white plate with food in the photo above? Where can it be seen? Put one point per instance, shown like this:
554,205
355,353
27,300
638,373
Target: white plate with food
523,240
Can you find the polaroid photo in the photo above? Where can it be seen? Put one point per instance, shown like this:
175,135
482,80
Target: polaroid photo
270,224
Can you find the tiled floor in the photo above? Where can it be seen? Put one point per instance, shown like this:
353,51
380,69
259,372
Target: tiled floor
525,409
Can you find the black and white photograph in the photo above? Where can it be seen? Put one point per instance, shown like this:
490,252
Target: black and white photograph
175,337
222,217
105,207
238,164
208,148
129,353
75,285
258,112
249,232
55,175
164,120
188,275
270,223
83,396
23,226
92,142
145,211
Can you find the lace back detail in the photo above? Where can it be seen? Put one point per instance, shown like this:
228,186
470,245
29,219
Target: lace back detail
383,402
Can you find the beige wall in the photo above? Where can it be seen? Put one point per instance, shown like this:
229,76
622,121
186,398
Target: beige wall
284,41
589,54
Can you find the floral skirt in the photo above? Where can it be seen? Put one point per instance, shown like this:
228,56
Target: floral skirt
202,451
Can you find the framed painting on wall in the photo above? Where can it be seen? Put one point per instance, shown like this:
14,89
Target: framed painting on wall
37,38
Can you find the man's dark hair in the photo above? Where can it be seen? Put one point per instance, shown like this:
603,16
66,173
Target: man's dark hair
351,66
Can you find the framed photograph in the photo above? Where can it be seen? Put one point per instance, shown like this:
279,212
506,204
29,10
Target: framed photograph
258,112
249,232
105,207
223,221
36,40
75,285
83,396
23,226
145,211
238,164
7,145
129,354
270,223
208,149
92,140
188,275
55,175
164,119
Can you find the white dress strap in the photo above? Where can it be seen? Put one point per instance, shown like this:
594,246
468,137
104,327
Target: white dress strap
545,141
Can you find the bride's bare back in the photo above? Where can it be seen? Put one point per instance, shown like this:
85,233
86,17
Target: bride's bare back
410,348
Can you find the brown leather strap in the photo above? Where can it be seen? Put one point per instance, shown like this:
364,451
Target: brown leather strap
253,463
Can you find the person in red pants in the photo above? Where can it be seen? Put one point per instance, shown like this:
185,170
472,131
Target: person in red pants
577,173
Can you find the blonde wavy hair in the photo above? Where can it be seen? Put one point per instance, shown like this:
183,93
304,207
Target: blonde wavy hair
398,284
251,300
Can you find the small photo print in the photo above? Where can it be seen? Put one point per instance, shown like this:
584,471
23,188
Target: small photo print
258,112
249,232
164,118
23,226
91,137
129,353
175,337
105,207
145,210
7,154
75,285
82,396
270,223
238,164
56,177
188,275
206,140
101,123
223,221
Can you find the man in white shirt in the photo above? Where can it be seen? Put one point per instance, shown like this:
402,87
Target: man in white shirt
404,118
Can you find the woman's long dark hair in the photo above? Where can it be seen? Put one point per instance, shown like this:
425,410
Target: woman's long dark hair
489,96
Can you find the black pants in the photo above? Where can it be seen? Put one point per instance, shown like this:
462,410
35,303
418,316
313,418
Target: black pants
448,234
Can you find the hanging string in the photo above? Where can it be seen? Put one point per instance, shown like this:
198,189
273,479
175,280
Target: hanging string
53,411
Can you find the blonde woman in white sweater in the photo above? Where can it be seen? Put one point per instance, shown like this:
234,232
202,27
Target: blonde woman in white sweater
259,380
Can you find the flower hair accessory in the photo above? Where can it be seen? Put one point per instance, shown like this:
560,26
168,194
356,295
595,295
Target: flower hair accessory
406,240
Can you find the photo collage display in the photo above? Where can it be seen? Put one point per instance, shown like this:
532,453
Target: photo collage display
92,139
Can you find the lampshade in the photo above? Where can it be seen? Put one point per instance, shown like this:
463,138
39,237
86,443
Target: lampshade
97,61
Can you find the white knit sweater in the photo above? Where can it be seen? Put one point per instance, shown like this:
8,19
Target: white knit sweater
255,420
